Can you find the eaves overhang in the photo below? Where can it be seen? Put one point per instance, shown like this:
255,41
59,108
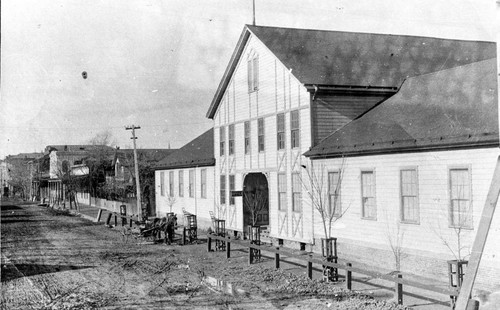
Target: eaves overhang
226,78
485,140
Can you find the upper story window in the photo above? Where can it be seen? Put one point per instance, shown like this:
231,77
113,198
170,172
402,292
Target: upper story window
260,125
294,129
460,198
253,73
247,137
281,131
222,131
282,191
231,140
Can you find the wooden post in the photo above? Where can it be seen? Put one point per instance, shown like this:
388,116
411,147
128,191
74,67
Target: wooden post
109,218
184,236
228,249
250,255
116,220
348,277
277,259
479,242
131,222
399,290
310,270
99,214
209,244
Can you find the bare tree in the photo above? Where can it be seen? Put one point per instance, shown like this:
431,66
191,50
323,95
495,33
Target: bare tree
98,159
256,201
395,237
20,178
171,200
324,197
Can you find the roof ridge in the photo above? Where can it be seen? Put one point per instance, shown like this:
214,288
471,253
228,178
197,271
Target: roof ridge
369,33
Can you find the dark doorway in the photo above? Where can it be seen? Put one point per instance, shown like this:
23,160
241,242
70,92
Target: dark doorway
255,200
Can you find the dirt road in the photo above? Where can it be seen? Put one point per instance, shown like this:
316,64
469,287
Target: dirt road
51,260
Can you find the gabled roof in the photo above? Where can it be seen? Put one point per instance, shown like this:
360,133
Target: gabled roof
336,58
197,153
454,108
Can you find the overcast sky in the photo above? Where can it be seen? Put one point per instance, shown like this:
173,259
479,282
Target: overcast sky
157,63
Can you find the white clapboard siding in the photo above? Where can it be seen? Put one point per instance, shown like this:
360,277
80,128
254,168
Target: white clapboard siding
433,196
195,205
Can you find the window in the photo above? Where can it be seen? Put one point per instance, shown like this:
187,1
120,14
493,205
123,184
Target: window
162,183
409,196
369,206
181,183
294,129
191,183
247,137
171,184
231,140
261,134
222,132
334,207
253,74
203,182
222,189
460,198
281,131
231,188
282,191
296,193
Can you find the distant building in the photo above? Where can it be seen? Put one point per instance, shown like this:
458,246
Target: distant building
16,174
185,180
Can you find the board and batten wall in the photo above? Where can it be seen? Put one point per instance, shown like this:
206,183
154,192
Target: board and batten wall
425,238
278,92
197,205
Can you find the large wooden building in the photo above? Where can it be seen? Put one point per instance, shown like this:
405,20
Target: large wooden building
285,90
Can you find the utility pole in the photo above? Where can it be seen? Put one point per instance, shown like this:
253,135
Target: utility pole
253,7
137,183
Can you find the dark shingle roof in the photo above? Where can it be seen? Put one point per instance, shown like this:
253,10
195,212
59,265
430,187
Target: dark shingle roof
199,152
453,108
336,58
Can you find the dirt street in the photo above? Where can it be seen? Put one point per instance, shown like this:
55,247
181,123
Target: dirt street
53,260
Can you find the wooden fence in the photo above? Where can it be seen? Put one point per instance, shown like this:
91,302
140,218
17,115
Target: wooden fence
347,267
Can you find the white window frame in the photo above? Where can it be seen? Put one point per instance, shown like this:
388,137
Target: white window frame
280,132
181,183
363,205
295,129
230,143
171,183
296,192
470,223
247,137
403,195
282,192
253,73
261,134
203,183
337,192
223,189
162,183
191,183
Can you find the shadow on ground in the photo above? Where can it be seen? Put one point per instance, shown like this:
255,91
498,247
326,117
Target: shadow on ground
11,272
